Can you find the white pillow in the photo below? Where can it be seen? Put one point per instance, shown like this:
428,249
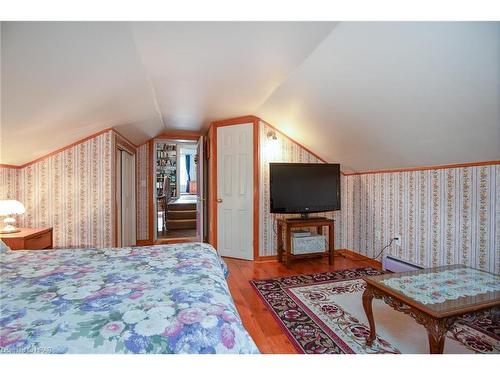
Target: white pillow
3,247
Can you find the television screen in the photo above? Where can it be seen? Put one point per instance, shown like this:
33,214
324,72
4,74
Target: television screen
304,188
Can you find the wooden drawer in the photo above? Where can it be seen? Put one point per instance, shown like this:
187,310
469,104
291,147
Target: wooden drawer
43,241
29,239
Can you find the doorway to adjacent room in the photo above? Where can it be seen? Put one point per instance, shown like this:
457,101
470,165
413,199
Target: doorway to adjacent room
178,189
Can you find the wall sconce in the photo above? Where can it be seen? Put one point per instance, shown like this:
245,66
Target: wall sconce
271,135
273,146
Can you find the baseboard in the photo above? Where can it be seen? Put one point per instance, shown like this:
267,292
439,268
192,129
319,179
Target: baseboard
338,252
233,258
357,256
270,258
144,243
266,258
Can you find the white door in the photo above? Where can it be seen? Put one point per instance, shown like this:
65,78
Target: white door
235,191
199,190
127,210
118,196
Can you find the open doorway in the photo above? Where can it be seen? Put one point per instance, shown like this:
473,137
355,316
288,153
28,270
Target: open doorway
176,189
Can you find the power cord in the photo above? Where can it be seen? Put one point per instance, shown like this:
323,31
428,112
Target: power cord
327,242
381,251
385,247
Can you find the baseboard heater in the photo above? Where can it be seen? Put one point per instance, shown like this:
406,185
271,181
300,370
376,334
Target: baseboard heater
394,264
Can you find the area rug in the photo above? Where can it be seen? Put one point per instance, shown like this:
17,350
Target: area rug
323,313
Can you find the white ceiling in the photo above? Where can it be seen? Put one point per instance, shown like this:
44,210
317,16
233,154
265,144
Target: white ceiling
369,95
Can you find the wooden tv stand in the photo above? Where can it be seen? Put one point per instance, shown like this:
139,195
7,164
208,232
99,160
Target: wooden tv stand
285,252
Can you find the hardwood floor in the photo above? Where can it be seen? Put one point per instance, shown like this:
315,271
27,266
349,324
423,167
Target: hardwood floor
177,233
258,321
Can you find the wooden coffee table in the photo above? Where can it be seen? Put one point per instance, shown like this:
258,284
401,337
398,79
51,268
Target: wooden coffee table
434,297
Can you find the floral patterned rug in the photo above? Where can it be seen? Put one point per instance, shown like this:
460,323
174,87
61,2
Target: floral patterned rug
322,313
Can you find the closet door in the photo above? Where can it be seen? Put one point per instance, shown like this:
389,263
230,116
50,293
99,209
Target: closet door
200,196
125,199
118,196
235,191
128,199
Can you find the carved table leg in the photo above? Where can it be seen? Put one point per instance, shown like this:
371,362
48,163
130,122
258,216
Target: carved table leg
436,327
436,331
367,306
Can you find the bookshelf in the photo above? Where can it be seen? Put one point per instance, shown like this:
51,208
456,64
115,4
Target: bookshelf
166,165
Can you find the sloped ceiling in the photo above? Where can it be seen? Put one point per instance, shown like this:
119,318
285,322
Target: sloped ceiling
62,81
368,95
381,95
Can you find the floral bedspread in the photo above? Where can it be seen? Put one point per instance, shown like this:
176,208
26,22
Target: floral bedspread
158,299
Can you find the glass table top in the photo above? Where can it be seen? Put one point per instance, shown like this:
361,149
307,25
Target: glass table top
442,290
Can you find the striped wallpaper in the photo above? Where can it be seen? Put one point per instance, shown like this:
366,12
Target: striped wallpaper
72,191
444,216
289,151
9,183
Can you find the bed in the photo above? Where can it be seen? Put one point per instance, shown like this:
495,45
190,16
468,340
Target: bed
157,299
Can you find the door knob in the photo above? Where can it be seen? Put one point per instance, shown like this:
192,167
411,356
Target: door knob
219,200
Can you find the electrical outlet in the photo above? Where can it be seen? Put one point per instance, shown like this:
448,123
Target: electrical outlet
397,240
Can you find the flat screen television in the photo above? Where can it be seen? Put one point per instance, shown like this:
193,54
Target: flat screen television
304,188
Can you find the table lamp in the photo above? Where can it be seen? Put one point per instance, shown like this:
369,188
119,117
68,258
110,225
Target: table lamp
9,208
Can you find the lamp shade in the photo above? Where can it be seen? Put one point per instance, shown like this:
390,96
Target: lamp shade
11,207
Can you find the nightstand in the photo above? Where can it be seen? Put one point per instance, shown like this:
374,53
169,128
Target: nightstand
28,239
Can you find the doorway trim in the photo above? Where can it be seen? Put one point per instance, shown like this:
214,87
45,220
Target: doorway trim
121,143
212,178
173,135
